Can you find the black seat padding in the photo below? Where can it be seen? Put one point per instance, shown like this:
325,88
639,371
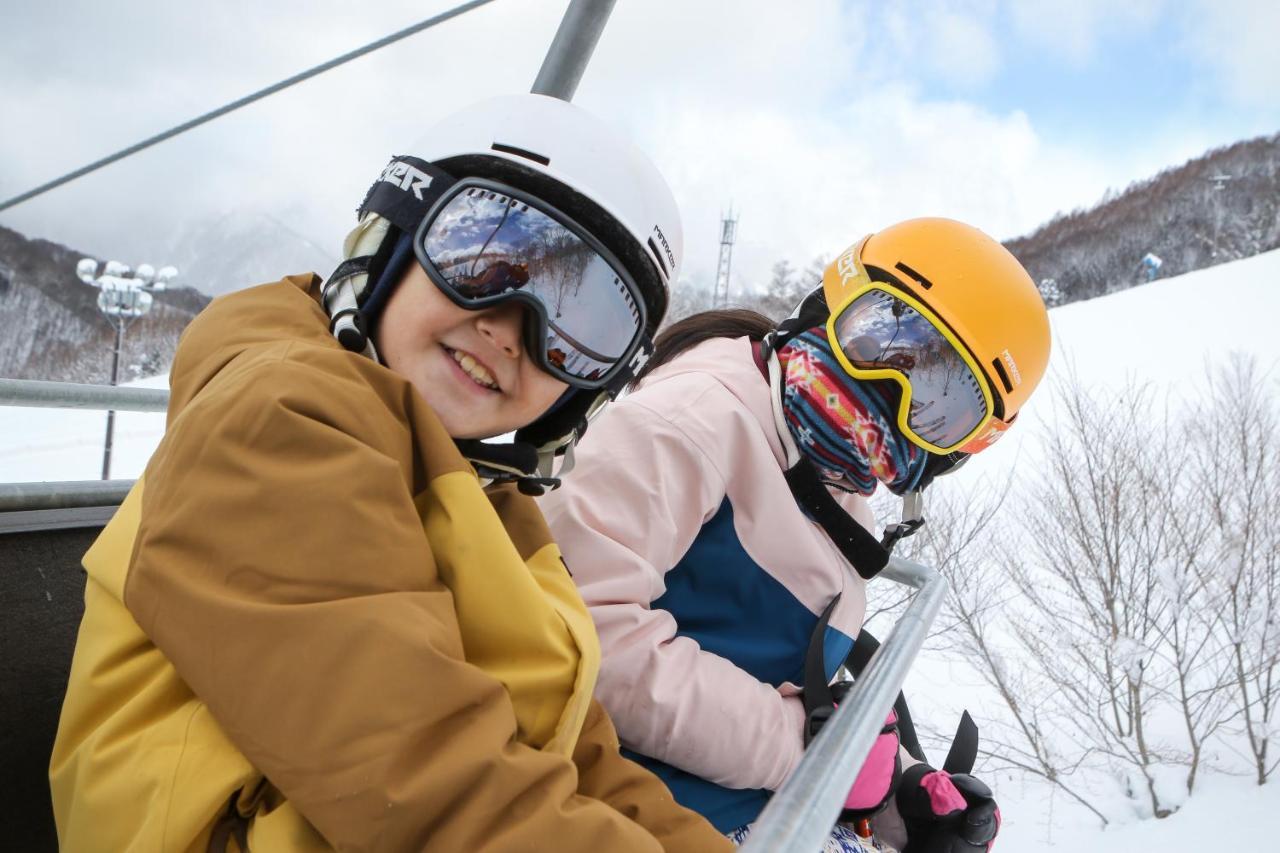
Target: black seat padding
41,602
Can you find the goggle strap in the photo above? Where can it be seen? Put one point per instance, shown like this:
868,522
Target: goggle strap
405,192
811,312
863,551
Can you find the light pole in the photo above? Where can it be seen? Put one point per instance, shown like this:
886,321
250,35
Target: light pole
124,295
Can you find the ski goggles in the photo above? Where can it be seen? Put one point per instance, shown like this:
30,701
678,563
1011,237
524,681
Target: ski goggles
879,331
484,244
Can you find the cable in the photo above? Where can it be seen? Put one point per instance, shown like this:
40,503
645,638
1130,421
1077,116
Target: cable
243,102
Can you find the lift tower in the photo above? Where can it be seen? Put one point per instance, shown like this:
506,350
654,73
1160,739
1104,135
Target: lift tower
728,229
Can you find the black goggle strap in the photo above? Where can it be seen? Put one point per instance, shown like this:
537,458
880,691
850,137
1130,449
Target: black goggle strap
399,199
405,192
811,312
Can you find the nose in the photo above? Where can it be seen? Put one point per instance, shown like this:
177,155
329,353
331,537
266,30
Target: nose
501,325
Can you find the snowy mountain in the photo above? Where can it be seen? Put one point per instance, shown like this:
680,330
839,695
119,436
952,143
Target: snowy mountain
241,249
54,330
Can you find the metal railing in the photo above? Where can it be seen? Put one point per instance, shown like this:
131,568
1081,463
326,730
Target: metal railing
63,494
72,494
801,814
70,395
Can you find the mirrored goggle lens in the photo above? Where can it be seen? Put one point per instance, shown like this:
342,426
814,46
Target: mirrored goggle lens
486,244
878,331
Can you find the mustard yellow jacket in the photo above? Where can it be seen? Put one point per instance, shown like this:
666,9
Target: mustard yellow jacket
309,627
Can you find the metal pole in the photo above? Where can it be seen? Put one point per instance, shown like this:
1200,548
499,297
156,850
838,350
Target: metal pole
800,816
26,497
37,394
111,413
572,47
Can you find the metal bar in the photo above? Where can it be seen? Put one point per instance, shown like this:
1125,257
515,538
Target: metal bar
243,102
71,395
26,497
111,413
800,816
34,521
571,48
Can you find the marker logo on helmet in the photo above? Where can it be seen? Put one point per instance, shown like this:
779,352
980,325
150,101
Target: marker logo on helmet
406,177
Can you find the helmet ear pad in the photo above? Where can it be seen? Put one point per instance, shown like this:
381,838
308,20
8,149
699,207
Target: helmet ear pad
602,225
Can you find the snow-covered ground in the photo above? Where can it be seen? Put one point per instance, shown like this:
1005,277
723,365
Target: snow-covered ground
60,444
1165,333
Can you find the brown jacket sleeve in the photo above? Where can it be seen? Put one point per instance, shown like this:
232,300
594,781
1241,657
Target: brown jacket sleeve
282,568
605,775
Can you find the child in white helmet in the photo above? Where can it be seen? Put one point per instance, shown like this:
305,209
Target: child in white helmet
717,525
327,617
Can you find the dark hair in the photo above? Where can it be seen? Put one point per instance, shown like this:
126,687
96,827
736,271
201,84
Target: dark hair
703,326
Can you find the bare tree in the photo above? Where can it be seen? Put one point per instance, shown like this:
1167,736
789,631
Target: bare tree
1231,441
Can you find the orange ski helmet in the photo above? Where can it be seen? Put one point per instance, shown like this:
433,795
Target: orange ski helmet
976,288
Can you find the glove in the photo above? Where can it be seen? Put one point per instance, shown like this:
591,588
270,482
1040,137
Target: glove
945,812
878,778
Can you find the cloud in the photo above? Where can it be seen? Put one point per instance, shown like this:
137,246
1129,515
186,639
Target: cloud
818,121
952,42
1237,40
1074,30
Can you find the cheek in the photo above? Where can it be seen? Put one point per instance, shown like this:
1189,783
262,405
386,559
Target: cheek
543,391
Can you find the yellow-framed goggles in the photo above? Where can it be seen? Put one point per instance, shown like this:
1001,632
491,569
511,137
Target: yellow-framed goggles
879,331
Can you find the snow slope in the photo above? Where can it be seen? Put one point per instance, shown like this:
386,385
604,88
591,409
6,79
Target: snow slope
1164,333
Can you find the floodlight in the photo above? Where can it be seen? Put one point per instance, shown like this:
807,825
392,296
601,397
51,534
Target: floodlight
87,270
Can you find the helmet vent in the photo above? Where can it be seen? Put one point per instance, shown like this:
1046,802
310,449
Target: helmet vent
924,282
1004,377
520,152
657,256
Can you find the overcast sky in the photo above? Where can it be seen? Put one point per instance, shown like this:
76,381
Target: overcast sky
817,120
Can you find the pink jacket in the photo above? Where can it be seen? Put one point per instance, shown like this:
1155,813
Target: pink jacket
666,480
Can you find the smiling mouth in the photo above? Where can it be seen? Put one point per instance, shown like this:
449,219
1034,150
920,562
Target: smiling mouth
476,371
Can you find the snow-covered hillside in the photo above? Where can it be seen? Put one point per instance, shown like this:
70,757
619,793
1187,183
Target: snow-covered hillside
1165,333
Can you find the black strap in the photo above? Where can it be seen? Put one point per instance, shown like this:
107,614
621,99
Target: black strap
405,192
895,533
858,545
231,825
864,647
818,701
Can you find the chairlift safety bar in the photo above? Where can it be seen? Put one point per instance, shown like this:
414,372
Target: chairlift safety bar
801,814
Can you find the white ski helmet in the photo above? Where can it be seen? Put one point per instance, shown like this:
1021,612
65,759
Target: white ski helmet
560,154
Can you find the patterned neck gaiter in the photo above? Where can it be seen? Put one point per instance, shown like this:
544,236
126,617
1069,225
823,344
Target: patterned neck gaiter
847,427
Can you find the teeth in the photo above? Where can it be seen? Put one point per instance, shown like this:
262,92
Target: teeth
474,369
